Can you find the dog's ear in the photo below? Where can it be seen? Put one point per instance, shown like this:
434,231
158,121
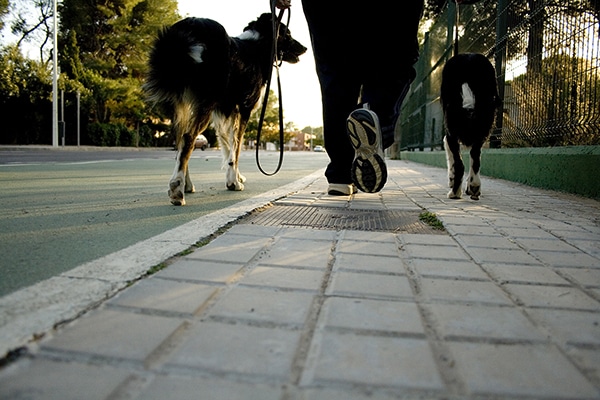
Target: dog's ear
262,24
264,18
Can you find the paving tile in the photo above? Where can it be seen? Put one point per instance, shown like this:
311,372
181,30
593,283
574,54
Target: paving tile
586,277
507,256
287,278
519,370
41,379
463,291
448,269
591,247
304,244
306,257
510,222
368,248
231,248
241,349
570,326
568,232
588,360
308,234
376,360
181,297
472,321
213,388
438,240
470,230
264,305
489,242
553,297
116,334
433,252
505,273
200,270
370,285
463,220
372,315
532,232
324,393
563,259
546,244
254,230
369,263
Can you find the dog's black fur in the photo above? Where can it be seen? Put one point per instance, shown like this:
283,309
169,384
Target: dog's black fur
469,113
201,74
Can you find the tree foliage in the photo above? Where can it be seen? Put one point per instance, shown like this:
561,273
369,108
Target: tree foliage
104,47
102,52
3,12
25,98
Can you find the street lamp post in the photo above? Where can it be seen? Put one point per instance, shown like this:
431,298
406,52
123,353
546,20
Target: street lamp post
55,78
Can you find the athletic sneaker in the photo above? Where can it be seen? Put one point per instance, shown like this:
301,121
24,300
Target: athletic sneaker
341,189
369,171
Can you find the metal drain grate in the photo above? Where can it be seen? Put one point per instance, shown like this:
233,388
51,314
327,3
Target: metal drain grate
339,219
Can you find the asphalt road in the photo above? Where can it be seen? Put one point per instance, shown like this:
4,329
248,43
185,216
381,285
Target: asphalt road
64,207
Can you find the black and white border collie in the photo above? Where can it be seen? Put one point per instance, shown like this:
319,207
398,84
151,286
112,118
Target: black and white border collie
200,74
469,97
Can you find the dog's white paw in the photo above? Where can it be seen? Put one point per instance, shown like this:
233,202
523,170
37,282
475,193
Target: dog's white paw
474,186
242,178
235,186
454,195
176,189
189,186
473,191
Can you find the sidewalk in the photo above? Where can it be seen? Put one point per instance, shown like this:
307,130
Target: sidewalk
322,297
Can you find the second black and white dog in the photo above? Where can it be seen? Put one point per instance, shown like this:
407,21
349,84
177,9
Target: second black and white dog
200,74
469,97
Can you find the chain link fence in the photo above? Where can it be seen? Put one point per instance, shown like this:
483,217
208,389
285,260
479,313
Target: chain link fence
546,54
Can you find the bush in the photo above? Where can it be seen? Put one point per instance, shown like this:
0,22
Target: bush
101,134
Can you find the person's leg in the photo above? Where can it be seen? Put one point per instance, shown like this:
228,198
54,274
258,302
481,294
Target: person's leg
340,87
390,48
393,37
385,99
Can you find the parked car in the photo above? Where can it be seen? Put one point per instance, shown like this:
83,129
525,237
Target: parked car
201,142
319,148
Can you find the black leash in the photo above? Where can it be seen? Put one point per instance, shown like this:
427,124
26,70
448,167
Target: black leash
276,63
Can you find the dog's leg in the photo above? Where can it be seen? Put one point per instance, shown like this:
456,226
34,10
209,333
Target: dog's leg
189,121
474,181
456,168
179,181
189,186
234,179
239,143
226,128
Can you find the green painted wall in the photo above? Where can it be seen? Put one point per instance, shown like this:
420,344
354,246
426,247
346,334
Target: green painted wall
573,169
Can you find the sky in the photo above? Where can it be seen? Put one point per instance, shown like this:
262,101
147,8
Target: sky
300,86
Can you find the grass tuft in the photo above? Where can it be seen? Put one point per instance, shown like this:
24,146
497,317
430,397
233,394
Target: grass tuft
432,220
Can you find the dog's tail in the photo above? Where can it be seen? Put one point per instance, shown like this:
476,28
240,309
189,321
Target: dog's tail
187,57
468,98
469,82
